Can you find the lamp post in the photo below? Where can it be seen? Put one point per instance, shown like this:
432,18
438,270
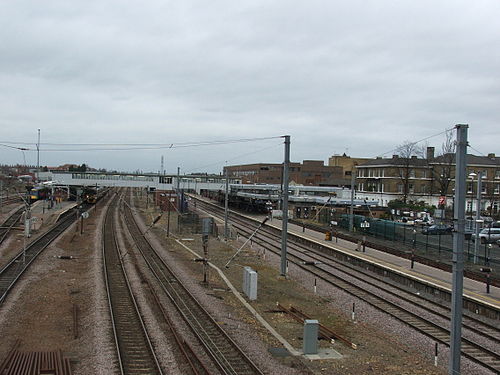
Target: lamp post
471,176
478,211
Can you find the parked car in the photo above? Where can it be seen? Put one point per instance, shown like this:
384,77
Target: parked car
488,235
438,229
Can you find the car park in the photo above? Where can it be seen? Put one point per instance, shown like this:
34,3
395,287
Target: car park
438,229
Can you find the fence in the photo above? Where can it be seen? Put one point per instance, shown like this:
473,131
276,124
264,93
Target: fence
410,237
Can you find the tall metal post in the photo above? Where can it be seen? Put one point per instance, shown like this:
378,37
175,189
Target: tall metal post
179,207
168,213
351,214
226,210
38,157
478,214
1,196
284,206
178,179
458,251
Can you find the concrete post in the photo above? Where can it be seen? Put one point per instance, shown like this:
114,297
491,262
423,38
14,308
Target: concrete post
458,255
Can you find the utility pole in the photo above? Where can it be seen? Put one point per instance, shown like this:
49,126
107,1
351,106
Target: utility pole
168,213
478,214
351,215
38,157
1,196
458,251
179,189
284,206
205,259
178,179
226,210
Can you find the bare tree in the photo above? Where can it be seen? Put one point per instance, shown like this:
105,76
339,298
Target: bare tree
491,196
406,162
443,165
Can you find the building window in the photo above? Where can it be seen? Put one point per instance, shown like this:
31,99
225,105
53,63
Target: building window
497,189
400,188
469,206
470,186
497,173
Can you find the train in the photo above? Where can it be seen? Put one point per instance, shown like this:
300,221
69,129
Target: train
89,195
39,193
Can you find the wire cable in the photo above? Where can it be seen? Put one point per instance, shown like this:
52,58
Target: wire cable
420,140
136,146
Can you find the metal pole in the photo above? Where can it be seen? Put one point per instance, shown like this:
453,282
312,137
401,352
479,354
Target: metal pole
178,179
478,214
179,188
226,211
38,157
1,196
458,252
284,206
168,214
351,215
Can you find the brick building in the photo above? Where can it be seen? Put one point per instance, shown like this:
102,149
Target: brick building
309,172
428,179
347,163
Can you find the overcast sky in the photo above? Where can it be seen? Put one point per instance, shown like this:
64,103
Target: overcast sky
358,77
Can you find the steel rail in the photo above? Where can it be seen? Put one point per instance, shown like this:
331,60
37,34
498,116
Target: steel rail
134,349
9,223
474,351
16,267
226,354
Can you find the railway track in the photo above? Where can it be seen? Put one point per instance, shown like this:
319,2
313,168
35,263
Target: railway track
13,270
135,351
226,355
11,199
402,305
9,223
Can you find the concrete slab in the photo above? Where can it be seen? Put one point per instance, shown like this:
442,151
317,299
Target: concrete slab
279,352
324,353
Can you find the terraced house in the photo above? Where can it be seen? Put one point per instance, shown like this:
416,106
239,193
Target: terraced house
429,179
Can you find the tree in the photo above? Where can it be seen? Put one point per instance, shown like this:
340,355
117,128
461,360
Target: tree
491,196
405,163
444,165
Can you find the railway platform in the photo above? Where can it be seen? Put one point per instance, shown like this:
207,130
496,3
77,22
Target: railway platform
45,216
473,289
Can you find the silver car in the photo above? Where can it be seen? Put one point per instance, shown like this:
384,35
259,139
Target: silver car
488,235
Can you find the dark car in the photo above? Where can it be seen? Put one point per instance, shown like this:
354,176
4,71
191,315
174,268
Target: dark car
438,229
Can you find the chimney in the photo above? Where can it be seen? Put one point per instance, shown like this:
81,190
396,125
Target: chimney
430,153
491,156
414,157
394,156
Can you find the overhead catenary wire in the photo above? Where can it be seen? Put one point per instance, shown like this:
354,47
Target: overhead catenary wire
233,158
416,142
134,146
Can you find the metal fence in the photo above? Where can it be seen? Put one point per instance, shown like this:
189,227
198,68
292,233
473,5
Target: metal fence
410,237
